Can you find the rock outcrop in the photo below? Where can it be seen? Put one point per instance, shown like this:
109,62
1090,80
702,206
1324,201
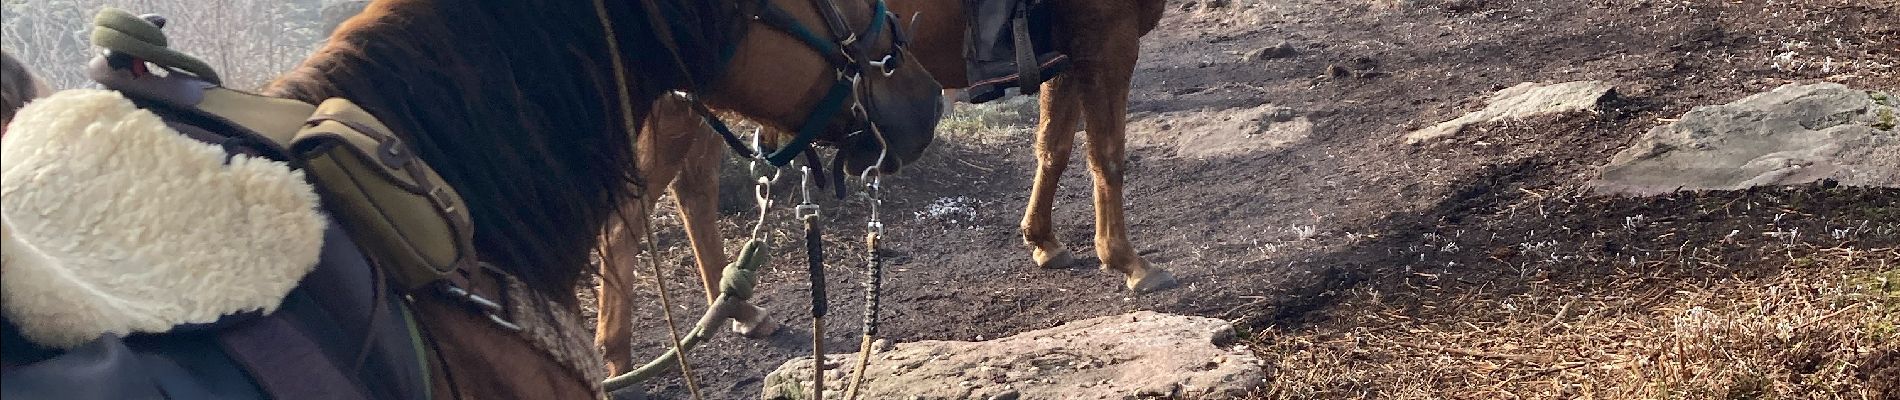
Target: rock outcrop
1224,133
1138,355
1798,133
1522,101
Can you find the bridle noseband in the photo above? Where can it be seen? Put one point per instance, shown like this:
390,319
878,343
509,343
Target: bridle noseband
849,57
846,52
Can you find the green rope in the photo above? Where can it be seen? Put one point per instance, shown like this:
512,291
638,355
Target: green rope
735,288
742,274
121,31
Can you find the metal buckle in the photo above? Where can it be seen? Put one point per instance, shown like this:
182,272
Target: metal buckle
847,42
805,208
489,308
440,196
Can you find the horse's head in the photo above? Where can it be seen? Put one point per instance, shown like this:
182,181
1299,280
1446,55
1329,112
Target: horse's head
833,72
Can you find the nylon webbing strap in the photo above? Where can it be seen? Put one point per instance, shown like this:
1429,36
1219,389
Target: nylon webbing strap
1029,72
830,105
778,19
286,363
815,257
725,133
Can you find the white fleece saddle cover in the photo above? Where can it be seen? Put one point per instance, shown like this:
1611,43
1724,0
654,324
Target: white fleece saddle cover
116,223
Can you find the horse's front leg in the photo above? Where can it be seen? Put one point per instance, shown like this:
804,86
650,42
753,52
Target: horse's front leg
613,330
697,192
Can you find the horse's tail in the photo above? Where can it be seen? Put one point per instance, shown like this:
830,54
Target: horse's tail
1150,13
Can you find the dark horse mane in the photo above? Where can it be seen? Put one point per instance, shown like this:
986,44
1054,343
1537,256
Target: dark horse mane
513,102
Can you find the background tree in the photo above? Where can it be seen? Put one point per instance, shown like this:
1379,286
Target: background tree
248,41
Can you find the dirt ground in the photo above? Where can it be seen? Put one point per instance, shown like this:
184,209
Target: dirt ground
1362,267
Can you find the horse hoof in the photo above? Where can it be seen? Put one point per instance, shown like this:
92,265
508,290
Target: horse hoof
1059,259
1155,279
757,330
753,324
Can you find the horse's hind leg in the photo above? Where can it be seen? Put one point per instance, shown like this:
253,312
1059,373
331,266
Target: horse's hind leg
1106,98
1055,139
697,192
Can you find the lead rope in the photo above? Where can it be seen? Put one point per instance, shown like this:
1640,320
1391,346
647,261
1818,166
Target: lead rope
632,128
807,212
873,281
874,272
666,303
121,32
741,276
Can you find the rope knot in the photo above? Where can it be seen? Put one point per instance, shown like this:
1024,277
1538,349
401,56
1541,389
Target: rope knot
140,37
741,276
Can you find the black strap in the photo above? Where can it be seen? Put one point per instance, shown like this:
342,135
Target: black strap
732,139
815,259
831,105
286,363
777,18
837,166
815,256
817,168
1029,72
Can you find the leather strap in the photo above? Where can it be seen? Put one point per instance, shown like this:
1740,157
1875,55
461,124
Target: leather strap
815,123
1029,76
285,362
842,55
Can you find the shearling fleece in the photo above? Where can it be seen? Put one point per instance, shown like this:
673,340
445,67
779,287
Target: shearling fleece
114,222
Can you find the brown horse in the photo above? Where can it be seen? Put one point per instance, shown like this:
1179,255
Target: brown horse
1102,37
516,104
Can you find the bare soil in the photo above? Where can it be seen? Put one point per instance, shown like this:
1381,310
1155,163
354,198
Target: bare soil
1362,267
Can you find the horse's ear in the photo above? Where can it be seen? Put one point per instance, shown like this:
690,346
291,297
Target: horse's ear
911,31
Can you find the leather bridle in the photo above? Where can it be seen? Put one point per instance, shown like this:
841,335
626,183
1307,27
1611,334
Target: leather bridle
850,57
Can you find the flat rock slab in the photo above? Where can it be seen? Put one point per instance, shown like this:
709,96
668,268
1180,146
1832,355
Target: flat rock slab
1224,133
1522,101
1798,133
1137,355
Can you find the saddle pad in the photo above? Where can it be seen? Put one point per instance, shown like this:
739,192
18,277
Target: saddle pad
116,223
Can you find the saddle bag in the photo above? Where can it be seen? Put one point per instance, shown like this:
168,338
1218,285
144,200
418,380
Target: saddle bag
402,214
398,210
405,218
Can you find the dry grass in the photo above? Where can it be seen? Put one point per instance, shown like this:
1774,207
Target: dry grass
999,122
1822,328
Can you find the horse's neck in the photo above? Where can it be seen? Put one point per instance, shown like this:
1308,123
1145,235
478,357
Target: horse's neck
940,37
514,104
